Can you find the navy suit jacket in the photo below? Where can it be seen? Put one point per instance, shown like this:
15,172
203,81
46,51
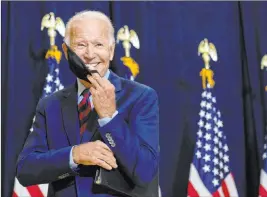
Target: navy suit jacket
132,135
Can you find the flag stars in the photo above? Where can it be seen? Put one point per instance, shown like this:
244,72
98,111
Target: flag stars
47,89
61,87
220,134
57,70
208,126
221,175
202,113
198,154
211,147
207,147
200,133
264,156
226,158
57,82
49,78
215,150
199,144
206,157
208,116
215,171
220,155
216,140
206,168
215,161
221,164
204,94
219,123
225,147
203,104
226,169
208,105
209,95
207,136
200,123
215,182
216,130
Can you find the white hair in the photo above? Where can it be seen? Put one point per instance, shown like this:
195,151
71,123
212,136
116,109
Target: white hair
89,14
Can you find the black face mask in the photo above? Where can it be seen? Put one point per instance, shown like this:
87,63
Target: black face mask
77,66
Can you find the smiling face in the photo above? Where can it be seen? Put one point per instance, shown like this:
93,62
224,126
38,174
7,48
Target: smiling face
90,40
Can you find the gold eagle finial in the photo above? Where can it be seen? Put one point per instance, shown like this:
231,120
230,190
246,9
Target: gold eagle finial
208,50
52,24
264,65
127,37
264,62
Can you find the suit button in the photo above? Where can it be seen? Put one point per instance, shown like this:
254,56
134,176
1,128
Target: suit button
107,135
63,176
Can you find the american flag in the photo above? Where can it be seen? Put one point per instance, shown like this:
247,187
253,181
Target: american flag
210,173
52,84
263,177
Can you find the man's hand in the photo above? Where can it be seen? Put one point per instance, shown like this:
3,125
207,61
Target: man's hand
94,153
103,93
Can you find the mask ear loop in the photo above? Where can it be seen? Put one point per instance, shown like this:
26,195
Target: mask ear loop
87,70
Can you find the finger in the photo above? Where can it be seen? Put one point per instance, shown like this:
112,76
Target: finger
101,81
94,82
103,164
93,91
95,159
110,160
103,145
104,151
108,85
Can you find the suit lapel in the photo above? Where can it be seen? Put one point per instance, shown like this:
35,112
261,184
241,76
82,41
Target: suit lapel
70,114
93,125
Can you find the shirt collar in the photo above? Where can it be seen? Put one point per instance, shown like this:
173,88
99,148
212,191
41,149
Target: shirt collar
81,87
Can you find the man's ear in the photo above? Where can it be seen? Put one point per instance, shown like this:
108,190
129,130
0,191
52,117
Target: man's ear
65,50
112,49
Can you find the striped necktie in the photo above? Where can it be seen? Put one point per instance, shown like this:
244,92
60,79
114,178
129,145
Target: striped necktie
84,107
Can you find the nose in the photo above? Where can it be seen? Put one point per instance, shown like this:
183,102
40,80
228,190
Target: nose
90,52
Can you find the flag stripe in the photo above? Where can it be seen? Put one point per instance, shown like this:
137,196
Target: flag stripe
216,194
197,182
225,189
35,191
19,190
44,188
230,183
191,190
263,179
221,192
262,192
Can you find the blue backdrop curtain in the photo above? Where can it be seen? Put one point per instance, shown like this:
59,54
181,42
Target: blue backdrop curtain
169,34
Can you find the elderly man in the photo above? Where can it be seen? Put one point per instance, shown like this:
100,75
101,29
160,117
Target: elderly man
62,149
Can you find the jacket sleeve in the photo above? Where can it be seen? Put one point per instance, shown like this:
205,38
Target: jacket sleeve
135,139
37,164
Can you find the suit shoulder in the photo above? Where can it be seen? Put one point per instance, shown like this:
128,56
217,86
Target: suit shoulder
54,97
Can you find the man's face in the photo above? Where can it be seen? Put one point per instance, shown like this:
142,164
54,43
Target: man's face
89,39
